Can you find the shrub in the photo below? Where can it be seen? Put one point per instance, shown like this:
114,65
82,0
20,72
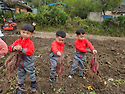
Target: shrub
57,18
121,20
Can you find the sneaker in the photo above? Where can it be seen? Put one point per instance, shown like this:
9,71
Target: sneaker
97,72
19,91
71,76
51,79
34,86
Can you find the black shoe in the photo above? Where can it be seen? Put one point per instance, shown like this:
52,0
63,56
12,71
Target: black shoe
34,86
97,72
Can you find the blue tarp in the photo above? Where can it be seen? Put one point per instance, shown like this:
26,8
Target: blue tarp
105,16
61,3
57,3
52,4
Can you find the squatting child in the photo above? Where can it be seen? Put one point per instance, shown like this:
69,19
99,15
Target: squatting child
26,48
56,51
81,49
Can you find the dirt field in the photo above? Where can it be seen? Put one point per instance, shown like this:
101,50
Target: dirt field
111,58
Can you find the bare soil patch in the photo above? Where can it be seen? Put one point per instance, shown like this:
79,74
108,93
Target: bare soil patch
111,58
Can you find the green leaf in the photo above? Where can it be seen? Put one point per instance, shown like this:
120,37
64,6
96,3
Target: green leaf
83,92
2,61
53,89
2,71
110,79
39,55
1,79
59,89
92,92
119,80
42,92
11,88
36,72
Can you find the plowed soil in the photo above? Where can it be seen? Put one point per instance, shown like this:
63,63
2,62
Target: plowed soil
110,56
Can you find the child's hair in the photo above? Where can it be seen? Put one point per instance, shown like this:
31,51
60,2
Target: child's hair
28,27
61,33
80,31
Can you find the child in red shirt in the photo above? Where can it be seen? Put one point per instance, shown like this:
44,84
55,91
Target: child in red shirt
56,51
26,48
79,58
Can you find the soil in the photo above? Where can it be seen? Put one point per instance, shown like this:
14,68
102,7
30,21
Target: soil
110,56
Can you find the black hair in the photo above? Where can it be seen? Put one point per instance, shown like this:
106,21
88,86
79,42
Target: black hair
61,33
80,31
28,27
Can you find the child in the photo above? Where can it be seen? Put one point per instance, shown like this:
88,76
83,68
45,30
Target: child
26,48
56,51
79,58
3,48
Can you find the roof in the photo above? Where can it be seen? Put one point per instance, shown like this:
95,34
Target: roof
121,8
6,8
21,1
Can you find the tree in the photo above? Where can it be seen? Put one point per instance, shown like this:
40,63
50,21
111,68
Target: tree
39,3
104,5
79,7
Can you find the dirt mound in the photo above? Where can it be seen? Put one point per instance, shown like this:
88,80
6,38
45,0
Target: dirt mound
111,58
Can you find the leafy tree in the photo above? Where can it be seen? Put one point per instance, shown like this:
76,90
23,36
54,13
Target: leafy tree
79,7
28,0
104,5
82,7
39,3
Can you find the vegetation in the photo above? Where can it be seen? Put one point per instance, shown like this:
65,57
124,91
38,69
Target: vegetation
49,20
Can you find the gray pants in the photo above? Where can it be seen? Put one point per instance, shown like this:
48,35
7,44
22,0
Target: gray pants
53,65
22,73
79,63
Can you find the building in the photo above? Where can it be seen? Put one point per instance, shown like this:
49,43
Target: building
20,6
117,11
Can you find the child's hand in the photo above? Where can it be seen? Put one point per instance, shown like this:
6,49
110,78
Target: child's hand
89,51
94,51
18,48
59,53
15,48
